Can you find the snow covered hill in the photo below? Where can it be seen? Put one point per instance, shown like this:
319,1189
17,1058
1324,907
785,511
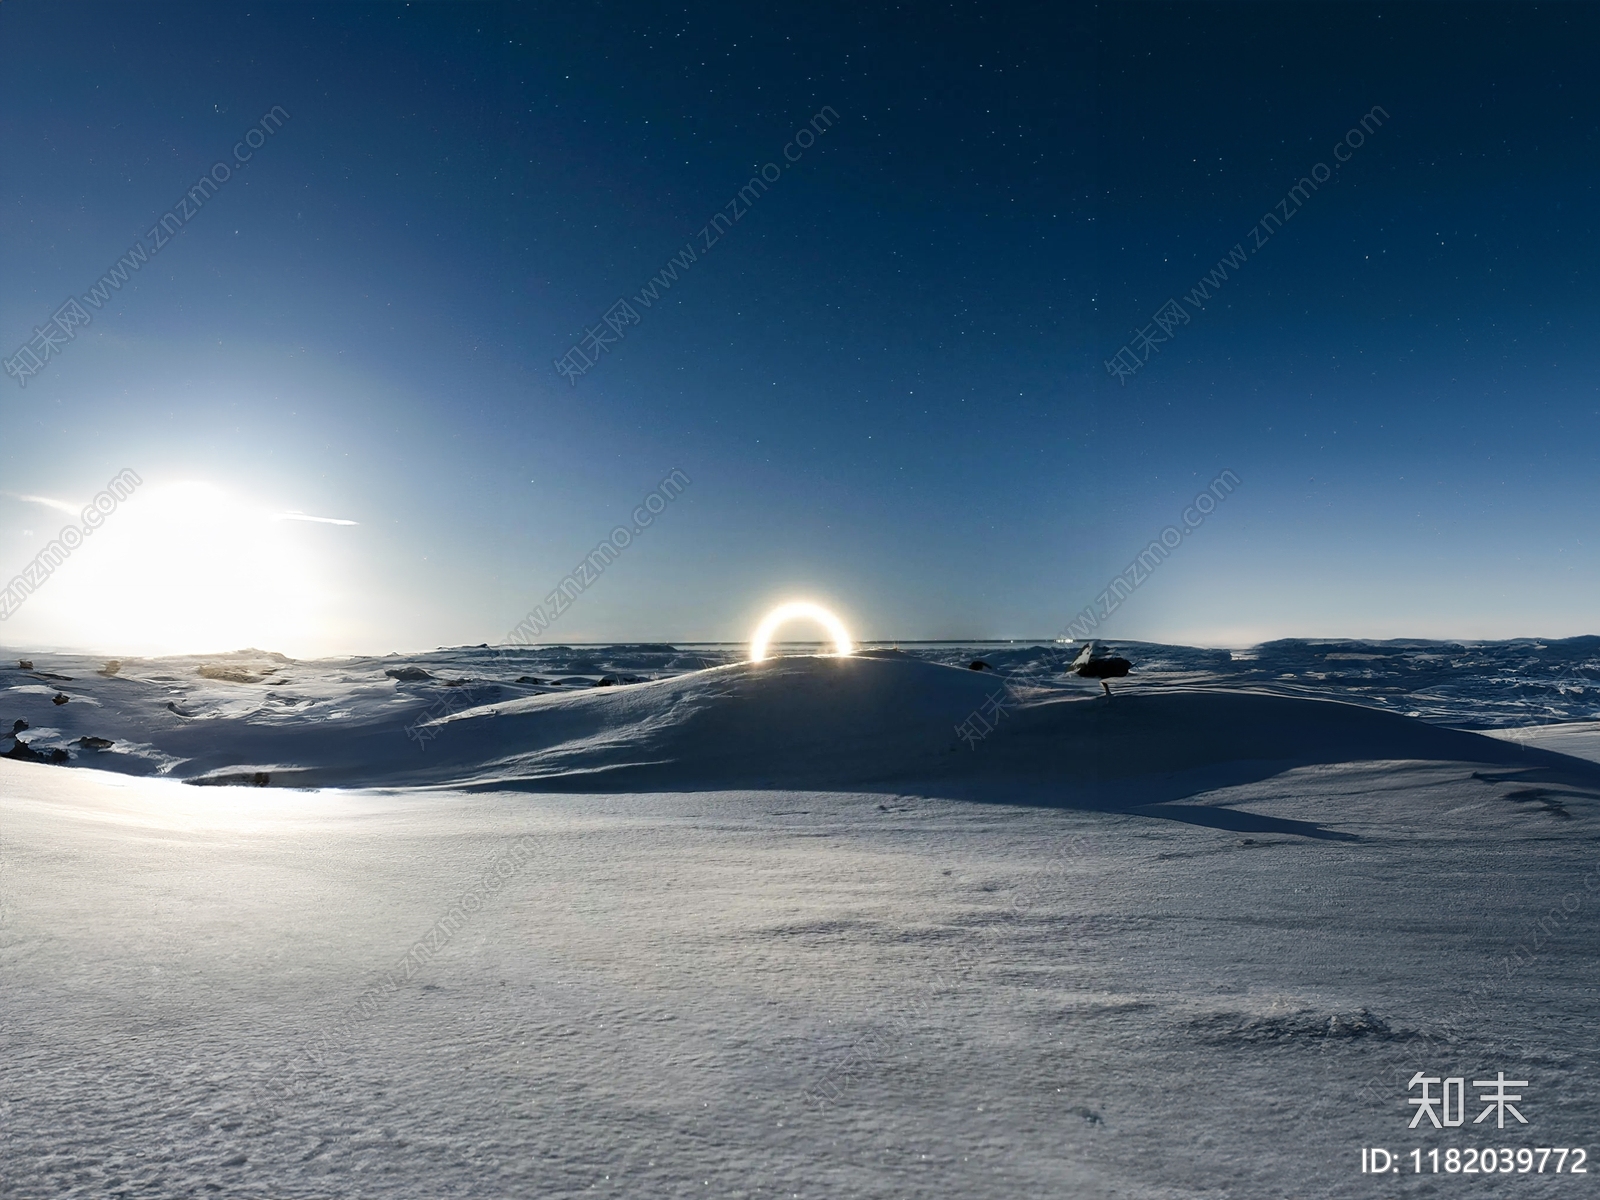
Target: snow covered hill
877,719
800,928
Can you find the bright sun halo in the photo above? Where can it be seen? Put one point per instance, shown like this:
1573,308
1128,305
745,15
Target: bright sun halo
799,610
189,568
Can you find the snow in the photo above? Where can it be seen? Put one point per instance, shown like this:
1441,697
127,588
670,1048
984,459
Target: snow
703,717
777,930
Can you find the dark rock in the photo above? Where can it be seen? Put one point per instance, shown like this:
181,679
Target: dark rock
1091,664
407,674
19,726
59,698
24,665
529,679
228,673
606,681
233,779
978,664
22,752
95,743
58,756
1105,668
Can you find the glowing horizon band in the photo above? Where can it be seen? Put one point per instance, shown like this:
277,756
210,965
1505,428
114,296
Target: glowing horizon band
799,610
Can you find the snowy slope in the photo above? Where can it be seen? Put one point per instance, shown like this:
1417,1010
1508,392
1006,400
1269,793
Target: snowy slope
877,718
255,992
775,929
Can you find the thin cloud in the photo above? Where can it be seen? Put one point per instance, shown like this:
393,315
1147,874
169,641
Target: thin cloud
60,505
300,516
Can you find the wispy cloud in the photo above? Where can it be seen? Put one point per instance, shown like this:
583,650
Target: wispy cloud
300,516
60,505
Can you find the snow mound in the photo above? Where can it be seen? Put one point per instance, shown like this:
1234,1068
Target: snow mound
879,720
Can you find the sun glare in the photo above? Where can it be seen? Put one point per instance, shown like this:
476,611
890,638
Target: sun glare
800,610
190,567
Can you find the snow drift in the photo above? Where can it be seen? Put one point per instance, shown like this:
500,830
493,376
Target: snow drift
880,720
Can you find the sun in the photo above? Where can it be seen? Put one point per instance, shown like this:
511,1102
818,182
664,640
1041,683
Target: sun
190,567
799,610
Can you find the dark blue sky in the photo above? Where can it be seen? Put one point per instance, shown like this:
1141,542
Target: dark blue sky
886,381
